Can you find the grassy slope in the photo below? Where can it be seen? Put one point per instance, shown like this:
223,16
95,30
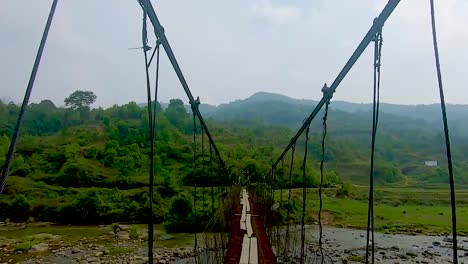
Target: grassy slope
397,210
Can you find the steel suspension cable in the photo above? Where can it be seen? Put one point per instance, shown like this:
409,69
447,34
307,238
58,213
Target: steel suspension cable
447,137
304,195
324,135
375,119
27,95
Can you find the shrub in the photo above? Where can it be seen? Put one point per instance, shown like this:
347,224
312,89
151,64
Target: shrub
23,247
19,209
180,215
86,209
19,167
78,173
344,190
133,232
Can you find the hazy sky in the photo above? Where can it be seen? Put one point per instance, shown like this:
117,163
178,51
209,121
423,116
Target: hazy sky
231,49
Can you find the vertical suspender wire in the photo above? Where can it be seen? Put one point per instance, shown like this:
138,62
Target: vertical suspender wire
375,118
152,136
27,95
447,137
195,247
281,185
282,182
324,135
221,207
273,184
212,183
156,86
272,214
287,244
203,168
213,202
263,198
304,195
272,202
267,198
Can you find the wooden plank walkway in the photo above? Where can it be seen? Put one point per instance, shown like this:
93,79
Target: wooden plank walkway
249,252
248,243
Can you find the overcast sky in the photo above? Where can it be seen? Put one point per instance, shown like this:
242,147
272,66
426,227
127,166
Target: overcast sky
229,50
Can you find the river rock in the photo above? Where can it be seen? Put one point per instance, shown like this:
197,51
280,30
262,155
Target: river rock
39,248
123,235
92,260
448,239
124,227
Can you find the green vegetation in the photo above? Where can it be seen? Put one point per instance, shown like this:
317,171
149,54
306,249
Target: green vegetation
79,165
120,250
356,258
397,210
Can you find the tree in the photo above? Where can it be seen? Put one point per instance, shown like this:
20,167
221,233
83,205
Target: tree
177,114
80,99
47,104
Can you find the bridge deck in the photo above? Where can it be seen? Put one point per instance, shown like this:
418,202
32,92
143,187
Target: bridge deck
264,252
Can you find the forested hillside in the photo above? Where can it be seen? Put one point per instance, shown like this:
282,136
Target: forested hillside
82,165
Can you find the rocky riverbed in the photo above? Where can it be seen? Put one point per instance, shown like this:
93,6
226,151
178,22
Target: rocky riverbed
120,246
126,246
346,245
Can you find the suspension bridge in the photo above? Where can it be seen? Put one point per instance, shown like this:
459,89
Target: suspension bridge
251,222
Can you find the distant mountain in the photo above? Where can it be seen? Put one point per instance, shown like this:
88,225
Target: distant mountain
279,109
430,112
283,110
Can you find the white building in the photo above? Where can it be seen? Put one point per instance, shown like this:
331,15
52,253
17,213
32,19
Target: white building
431,163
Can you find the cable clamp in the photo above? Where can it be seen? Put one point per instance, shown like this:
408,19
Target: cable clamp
158,42
194,104
327,92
